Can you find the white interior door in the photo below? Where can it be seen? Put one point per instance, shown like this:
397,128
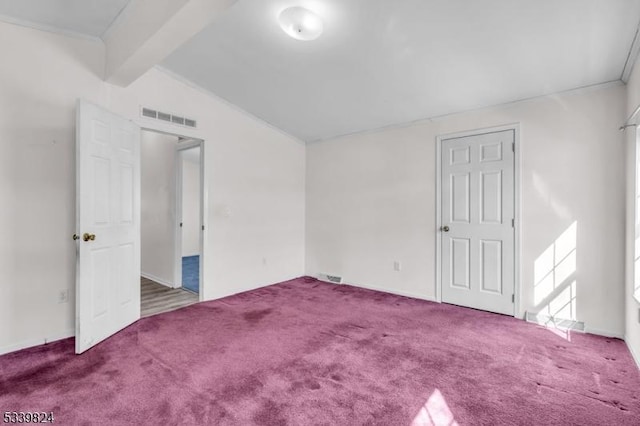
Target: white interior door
477,216
108,224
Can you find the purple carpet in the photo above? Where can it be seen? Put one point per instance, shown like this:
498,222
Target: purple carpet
304,352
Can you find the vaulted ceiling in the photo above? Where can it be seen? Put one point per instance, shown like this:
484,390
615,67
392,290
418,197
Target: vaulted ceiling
381,62
85,17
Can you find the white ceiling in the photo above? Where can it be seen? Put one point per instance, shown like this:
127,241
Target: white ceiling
86,17
382,62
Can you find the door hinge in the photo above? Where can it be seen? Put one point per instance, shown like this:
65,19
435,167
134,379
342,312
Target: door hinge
180,224
513,223
513,146
203,227
513,298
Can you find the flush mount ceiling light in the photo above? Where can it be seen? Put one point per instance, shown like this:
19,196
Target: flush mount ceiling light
301,23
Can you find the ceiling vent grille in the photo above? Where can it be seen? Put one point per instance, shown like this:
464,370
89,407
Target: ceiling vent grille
334,279
146,112
170,118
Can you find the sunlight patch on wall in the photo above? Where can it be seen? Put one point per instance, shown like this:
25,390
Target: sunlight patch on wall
545,192
555,288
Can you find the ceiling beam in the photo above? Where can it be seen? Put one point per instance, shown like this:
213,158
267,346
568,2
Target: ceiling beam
147,31
632,57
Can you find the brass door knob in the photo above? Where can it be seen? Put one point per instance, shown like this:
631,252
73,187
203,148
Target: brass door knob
444,228
88,237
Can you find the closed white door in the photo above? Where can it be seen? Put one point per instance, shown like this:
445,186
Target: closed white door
477,216
108,224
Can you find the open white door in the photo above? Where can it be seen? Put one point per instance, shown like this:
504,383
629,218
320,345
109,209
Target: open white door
108,224
477,214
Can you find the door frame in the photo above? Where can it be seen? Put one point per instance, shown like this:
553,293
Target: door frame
189,143
517,187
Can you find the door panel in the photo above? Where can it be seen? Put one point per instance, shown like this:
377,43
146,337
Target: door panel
100,194
99,281
460,198
491,197
477,210
460,253
460,156
491,266
491,152
108,209
126,254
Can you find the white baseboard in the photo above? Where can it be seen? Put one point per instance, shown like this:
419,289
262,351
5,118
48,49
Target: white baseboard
604,333
36,342
156,279
571,325
396,292
634,355
549,321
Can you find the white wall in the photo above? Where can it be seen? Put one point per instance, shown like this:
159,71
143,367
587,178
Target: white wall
191,202
371,199
632,307
158,206
250,239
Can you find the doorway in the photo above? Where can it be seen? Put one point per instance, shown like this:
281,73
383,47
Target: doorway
113,214
476,215
171,203
189,205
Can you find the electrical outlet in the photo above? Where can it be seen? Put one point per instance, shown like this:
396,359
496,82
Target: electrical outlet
63,296
397,266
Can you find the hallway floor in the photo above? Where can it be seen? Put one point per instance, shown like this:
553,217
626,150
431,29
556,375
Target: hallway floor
156,298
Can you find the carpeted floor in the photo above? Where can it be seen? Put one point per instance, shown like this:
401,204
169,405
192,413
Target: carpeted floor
304,353
191,273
